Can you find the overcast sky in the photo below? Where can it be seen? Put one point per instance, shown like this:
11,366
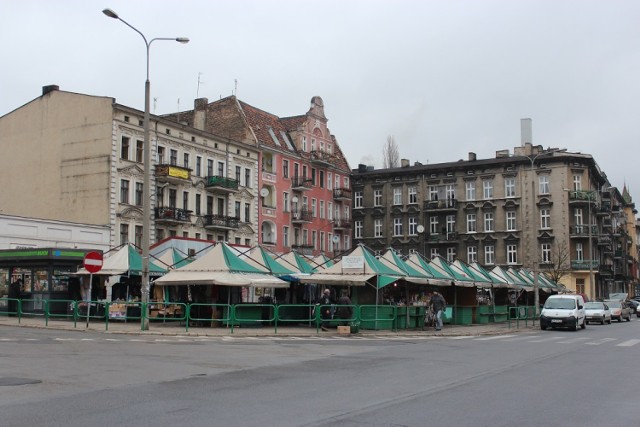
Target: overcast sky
443,77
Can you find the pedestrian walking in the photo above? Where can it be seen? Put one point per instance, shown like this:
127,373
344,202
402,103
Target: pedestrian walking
438,304
15,289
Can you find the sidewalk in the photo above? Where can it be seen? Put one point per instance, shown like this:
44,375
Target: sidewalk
172,328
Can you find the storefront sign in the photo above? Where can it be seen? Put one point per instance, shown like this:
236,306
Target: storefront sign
352,262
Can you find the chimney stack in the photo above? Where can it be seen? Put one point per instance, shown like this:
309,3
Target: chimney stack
200,113
50,88
404,163
472,156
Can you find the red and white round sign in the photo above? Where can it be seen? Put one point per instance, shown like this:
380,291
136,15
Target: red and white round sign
93,262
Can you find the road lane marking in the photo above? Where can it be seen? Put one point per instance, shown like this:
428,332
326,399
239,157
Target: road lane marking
546,339
522,338
573,340
599,342
496,337
628,343
462,337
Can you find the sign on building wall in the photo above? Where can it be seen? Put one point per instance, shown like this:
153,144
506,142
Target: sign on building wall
355,262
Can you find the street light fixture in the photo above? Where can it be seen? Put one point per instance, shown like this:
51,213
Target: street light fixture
146,193
534,230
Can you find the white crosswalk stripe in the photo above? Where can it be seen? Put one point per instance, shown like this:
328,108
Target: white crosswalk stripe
494,337
599,342
546,339
573,340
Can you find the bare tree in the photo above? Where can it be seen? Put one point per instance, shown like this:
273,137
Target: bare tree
390,154
560,262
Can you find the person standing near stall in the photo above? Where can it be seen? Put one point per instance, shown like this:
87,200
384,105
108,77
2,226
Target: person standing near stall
324,305
438,304
345,309
15,289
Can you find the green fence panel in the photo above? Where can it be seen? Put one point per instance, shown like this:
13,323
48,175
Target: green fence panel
378,317
222,313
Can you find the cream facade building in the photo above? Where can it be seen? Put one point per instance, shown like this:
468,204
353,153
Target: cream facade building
78,158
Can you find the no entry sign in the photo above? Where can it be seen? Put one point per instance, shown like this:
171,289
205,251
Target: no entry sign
93,262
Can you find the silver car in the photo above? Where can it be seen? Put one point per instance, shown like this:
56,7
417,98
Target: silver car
619,310
597,312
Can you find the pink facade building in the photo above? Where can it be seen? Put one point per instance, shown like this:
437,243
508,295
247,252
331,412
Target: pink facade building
303,178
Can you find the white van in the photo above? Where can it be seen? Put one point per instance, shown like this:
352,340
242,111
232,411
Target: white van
563,311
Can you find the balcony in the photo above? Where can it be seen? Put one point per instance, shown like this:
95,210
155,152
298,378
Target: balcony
303,249
341,194
173,174
172,216
221,184
617,254
582,196
342,224
220,222
443,238
584,264
604,209
582,230
606,270
322,158
441,205
300,216
301,183
604,240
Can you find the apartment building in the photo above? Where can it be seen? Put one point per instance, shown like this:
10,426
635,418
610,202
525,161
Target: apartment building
79,158
549,209
304,189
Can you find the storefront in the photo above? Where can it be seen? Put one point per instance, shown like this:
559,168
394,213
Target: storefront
45,275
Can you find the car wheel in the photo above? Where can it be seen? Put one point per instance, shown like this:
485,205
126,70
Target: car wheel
584,324
620,319
609,320
543,327
574,327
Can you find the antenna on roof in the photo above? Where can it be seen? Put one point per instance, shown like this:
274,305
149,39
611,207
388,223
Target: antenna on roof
235,90
178,110
155,102
199,83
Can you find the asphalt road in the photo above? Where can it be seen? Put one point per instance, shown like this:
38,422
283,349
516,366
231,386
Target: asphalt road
532,378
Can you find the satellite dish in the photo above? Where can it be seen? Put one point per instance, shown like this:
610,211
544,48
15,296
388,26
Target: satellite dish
335,239
420,229
264,192
294,200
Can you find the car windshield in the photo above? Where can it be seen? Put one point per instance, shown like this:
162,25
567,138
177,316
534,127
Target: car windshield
614,304
594,306
561,303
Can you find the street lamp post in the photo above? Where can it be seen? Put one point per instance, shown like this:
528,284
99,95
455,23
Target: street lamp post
534,231
146,190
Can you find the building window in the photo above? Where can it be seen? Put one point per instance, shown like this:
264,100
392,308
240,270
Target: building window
580,289
471,223
489,254
285,202
451,254
139,151
138,236
314,211
433,192
377,197
321,179
124,191
313,176
124,234
488,221
546,253
238,209
511,221
209,207
330,212
247,178
470,189
434,252
412,193
433,225
579,252
329,181
139,193
198,166
512,254
198,203
543,187
357,199
472,254
124,148
487,189
185,158
285,168
285,237
247,212
510,187
238,173
377,228
221,169
209,167
322,209
545,218
450,192
577,182
397,226
160,155
397,196
185,200
358,228
173,159
578,216
451,223
413,226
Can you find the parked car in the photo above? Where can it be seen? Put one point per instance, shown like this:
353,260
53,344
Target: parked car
597,312
633,304
619,310
563,311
